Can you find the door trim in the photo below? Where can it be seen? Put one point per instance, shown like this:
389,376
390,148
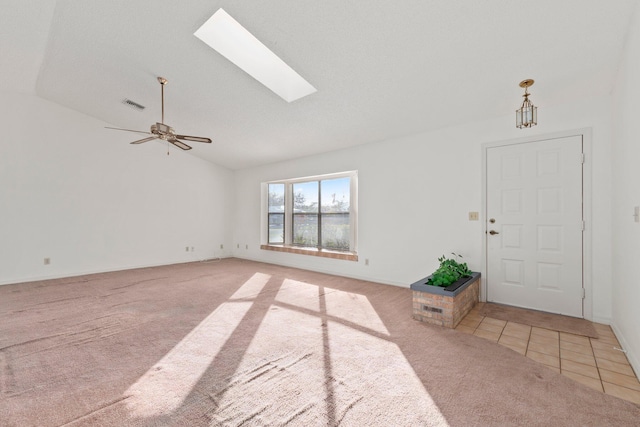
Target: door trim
586,133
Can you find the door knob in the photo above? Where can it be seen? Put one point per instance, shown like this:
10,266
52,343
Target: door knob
493,232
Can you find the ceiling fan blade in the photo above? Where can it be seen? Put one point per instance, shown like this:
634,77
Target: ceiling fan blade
179,144
194,138
128,130
140,141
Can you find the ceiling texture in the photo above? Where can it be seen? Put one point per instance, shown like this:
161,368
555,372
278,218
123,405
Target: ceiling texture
382,69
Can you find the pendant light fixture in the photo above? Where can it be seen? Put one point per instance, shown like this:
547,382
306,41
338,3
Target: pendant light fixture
527,114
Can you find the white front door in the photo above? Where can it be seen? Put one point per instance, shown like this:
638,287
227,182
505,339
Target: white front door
535,225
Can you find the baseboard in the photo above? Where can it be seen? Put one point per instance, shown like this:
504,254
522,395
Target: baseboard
98,271
330,272
631,356
603,320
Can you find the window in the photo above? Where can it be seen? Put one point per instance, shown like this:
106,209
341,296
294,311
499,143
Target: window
313,213
276,213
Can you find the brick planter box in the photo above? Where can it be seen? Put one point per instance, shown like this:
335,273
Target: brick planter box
445,306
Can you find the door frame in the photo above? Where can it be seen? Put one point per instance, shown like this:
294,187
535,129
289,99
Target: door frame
586,134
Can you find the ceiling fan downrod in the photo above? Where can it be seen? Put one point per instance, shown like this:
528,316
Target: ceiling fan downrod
163,82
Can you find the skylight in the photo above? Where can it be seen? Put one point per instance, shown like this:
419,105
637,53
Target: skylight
238,45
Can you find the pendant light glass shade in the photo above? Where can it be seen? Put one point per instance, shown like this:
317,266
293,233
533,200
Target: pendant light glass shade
527,114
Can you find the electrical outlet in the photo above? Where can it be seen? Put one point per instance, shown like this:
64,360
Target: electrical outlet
47,261
221,246
246,246
366,261
238,246
473,216
192,249
186,248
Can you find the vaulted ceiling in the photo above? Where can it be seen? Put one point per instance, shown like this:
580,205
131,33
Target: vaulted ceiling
382,69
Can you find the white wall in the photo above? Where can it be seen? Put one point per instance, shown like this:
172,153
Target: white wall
77,193
415,194
626,186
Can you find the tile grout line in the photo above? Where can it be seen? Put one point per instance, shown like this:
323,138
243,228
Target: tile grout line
595,359
559,354
526,350
501,331
478,325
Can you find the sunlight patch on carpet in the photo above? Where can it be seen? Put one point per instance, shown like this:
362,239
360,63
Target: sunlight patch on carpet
280,378
354,308
163,388
252,287
318,356
348,306
299,294
375,383
303,369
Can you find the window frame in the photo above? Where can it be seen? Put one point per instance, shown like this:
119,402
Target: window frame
270,214
288,245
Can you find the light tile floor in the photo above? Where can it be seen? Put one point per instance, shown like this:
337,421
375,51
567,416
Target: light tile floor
597,363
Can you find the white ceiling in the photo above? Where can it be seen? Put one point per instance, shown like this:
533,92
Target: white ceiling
383,69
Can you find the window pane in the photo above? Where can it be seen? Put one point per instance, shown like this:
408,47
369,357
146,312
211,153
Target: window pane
276,197
276,228
336,195
305,229
305,197
335,231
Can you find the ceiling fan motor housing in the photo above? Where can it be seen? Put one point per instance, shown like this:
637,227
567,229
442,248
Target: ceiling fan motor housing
162,130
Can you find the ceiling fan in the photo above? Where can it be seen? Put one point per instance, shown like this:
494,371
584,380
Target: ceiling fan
164,132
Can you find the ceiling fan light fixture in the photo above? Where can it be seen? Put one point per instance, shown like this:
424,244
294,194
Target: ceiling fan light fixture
225,35
527,114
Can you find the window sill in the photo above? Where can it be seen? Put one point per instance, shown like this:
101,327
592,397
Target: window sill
347,256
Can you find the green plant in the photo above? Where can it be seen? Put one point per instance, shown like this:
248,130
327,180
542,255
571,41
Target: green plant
449,271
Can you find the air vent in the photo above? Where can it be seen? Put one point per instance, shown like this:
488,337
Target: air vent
431,309
133,104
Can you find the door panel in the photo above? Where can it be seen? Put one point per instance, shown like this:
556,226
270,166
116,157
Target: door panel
534,194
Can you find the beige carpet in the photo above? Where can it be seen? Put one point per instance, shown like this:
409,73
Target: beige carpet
239,343
540,319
